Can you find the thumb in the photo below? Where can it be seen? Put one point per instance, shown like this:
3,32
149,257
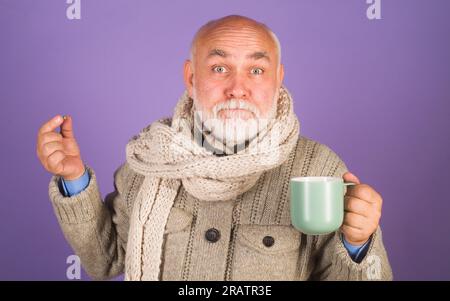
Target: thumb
66,127
349,177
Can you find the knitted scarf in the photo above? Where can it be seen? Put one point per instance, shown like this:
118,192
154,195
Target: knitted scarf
168,155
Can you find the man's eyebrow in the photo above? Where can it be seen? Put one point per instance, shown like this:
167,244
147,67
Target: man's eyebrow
218,52
259,55
255,55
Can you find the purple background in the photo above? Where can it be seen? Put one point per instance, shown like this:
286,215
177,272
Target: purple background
376,92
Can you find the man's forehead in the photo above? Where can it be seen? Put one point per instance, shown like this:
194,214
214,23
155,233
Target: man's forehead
236,36
235,44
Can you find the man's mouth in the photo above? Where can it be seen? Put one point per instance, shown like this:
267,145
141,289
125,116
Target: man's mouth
235,114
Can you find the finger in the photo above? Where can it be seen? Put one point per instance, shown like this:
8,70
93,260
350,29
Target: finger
51,147
350,178
54,162
355,220
345,228
353,232
364,192
51,125
66,127
357,206
49,137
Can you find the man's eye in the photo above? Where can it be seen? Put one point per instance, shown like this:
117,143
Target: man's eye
219,69
257,71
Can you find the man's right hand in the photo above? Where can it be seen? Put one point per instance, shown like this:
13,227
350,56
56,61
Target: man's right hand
59,152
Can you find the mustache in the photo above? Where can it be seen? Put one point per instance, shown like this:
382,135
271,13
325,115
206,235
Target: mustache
235,104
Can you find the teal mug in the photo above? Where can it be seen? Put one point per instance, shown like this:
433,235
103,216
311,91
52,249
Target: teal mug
317,204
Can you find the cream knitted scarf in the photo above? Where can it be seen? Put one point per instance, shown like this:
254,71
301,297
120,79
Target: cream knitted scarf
167,154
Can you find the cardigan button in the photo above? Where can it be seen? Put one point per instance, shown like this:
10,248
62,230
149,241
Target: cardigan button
212,235
268,241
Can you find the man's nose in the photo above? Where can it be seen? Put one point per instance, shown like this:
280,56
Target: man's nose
237,88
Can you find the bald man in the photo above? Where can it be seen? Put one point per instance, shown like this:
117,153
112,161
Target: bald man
204,195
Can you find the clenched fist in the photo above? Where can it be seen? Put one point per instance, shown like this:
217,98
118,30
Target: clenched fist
59,152
362,211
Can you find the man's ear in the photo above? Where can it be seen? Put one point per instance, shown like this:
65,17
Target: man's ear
280,75
189,76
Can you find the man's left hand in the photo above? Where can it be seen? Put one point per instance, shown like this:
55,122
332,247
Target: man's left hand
362,214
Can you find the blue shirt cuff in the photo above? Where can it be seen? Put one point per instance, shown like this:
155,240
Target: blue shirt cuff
357,253
76,186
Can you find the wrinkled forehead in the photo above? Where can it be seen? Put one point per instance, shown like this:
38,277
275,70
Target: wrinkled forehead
233,40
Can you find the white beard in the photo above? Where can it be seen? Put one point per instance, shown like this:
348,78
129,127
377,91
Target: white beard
235,130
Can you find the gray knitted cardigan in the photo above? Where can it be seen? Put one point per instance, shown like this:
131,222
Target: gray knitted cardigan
219,240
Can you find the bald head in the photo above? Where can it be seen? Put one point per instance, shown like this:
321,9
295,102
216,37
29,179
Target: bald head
235,61
235,25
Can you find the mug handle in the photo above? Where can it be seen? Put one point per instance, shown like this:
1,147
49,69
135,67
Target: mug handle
346,184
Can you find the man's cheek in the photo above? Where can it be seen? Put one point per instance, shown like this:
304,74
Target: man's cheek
264,102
